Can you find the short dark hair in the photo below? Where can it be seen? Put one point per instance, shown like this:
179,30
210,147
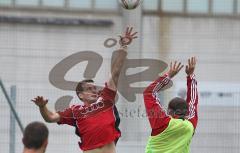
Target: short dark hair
178,106
35,134
80,85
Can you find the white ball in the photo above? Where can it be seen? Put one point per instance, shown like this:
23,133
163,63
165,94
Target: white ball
130,4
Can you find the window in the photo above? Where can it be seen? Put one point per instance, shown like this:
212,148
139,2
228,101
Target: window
86,4
27,2
5,2
106,4
238,6
193,7
222,6
54,3
197,6
172,5
150,4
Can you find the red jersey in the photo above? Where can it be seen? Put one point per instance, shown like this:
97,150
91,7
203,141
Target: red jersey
157,115
96,124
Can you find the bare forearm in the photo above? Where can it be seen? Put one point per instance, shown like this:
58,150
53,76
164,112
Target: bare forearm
118,64
47,115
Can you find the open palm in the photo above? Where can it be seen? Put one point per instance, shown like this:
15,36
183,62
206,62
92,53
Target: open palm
191,66
40,101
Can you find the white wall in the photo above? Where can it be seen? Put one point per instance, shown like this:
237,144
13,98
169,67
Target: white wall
28,52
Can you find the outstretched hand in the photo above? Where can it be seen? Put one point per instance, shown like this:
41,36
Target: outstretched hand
40,101
191,66
128,37
174,69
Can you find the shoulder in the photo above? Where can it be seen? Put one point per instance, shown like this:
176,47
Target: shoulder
108,91
74,107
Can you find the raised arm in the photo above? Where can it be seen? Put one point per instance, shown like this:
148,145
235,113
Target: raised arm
120,58
192,93
47,115
157,115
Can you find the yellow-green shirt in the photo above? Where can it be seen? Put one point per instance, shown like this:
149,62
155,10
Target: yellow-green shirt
175,138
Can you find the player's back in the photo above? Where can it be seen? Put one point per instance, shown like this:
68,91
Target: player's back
175,138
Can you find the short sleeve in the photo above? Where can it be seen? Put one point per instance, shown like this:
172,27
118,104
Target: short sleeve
66,117
108,95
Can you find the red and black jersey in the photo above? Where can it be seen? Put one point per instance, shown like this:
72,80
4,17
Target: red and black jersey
96,124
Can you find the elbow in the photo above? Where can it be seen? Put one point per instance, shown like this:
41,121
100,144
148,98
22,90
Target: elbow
147,94
146,91
47,120
51,121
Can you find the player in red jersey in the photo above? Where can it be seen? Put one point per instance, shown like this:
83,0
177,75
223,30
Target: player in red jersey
95,121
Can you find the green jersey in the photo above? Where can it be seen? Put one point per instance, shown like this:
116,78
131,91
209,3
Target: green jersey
175,138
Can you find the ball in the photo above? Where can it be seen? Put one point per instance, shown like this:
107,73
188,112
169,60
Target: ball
130,4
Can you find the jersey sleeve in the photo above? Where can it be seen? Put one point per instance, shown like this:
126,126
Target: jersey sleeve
66,117
157,115
192,100
108,95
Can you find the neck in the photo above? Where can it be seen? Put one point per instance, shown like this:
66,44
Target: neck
87,104
178,117
26,150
